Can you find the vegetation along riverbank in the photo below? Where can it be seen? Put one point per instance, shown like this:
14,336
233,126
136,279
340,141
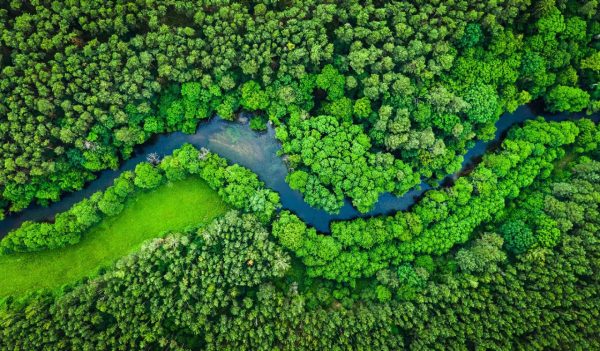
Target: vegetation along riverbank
299,175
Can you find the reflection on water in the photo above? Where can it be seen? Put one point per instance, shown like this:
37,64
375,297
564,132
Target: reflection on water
258,152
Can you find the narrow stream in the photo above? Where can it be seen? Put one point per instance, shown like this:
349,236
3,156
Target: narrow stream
258,152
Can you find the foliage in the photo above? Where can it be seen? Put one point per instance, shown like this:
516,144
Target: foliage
147,177
563,98
216,290
147,215
443,218
339,164
82,84
366,97
483,256
211,271
237,186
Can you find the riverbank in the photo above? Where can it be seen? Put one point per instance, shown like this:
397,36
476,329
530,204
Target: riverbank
171,207
257,151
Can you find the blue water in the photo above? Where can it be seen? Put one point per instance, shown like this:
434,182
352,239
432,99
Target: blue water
258,152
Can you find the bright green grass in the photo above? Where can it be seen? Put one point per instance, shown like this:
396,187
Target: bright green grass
173,206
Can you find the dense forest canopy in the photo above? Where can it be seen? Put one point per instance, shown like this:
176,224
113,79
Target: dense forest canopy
225,287
79,84
366,98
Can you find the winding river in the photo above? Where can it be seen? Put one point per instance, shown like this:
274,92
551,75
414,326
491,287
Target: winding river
258,152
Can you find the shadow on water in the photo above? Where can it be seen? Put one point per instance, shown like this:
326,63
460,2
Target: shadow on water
258,152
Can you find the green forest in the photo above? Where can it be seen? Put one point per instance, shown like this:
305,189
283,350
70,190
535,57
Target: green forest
489,111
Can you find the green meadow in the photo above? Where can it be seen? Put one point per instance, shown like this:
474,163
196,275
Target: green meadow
172,207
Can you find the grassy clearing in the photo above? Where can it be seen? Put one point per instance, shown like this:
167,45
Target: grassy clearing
173,206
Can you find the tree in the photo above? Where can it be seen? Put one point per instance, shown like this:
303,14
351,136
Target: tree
172,168
362,108
110,203
517,236
472,36
564,98
253,97
592,62
483,103
483,256
290,231
85,213
147,176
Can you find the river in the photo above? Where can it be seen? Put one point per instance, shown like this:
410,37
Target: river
258,152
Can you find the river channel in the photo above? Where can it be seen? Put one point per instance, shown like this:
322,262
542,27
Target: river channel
258,151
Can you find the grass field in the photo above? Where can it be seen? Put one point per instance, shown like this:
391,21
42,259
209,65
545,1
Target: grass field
173,206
